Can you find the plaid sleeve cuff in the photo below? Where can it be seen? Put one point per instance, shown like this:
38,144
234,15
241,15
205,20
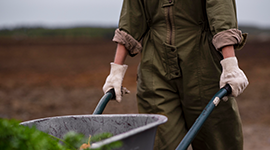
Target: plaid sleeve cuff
132,45
229,37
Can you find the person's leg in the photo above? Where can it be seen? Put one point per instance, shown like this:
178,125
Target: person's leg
160,96
223,129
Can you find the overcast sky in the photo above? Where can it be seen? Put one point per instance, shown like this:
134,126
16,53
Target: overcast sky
59,13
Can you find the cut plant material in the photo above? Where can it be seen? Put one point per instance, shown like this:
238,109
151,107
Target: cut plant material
85,146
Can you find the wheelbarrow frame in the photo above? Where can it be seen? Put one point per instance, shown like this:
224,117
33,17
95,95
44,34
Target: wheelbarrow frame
193,131
226,90
104,101
189,137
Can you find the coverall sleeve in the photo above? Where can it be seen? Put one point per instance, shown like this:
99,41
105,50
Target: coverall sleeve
132,26
222,20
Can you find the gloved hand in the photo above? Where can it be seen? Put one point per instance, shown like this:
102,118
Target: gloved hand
233,75
115,79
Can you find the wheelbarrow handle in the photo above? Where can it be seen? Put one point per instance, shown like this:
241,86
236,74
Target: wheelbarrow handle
226,90
103,101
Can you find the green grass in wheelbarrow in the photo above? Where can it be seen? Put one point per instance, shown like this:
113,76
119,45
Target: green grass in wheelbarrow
17,137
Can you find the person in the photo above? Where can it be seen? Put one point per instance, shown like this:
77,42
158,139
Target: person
187,53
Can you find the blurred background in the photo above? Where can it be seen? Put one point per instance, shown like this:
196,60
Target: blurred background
55,55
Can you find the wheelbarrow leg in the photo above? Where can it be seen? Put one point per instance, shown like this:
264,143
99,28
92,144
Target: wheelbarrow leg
226,90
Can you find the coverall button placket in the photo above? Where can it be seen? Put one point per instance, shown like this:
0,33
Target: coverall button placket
171,61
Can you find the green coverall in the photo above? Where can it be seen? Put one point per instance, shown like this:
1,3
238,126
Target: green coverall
180,67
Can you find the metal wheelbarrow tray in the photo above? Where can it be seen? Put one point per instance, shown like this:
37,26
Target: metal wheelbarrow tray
136,131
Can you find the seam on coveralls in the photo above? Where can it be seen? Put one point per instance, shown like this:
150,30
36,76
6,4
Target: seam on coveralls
199,72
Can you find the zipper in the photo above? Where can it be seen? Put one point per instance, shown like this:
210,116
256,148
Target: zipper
148,19
170,25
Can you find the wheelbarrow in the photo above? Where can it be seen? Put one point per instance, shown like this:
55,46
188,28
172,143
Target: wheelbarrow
136,131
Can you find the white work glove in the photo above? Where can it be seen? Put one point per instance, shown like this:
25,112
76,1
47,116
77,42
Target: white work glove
233,75
115,79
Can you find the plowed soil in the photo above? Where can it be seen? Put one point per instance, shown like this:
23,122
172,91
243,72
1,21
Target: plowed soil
57,76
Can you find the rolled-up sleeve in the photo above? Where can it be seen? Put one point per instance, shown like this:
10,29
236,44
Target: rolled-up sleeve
222,20
132,26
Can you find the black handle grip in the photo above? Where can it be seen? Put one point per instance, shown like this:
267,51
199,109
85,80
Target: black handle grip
228,88
112,92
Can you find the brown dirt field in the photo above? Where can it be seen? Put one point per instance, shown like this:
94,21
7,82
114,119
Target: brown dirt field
57,76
